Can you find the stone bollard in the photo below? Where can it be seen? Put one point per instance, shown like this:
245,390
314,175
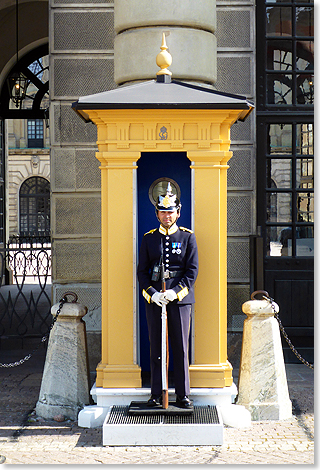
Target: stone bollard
65,382
263,387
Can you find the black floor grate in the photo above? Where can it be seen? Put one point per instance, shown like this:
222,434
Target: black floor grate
201,415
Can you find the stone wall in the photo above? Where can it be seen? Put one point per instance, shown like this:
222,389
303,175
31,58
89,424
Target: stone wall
81,63
236,74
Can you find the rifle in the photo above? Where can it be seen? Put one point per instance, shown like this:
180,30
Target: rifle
164,341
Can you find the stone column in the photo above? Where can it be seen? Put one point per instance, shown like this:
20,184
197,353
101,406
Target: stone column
263,387
191,26
65,381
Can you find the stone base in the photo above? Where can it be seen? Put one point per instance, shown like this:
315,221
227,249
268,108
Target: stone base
270,411
263,387
232,415
65,382
47,411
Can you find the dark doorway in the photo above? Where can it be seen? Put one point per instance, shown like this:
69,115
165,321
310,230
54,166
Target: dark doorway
151,166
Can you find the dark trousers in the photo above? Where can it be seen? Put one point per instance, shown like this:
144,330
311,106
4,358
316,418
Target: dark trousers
178,328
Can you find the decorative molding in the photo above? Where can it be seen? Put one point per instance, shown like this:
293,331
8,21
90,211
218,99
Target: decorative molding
186,130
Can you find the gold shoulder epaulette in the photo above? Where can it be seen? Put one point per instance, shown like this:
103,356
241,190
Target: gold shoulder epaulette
150,231
186,229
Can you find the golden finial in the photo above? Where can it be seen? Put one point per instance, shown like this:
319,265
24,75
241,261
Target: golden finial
164,58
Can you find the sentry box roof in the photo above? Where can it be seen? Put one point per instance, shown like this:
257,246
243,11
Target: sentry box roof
162,93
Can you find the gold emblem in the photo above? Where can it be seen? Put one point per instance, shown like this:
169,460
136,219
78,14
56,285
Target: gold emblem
166,201
163,133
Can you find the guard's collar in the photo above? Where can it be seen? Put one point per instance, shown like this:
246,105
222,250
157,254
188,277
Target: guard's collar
171,230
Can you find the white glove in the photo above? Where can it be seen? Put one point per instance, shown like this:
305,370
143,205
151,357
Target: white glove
159,299
170,295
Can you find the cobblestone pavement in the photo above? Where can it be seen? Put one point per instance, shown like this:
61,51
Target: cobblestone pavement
28,439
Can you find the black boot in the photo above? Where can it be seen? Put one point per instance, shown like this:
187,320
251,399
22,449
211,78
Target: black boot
184,402
154,400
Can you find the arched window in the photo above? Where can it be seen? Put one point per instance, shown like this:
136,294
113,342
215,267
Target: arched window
35,207
34,66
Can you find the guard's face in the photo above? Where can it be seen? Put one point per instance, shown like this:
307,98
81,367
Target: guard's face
168,218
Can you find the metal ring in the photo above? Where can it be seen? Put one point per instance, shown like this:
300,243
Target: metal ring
64,297
263,292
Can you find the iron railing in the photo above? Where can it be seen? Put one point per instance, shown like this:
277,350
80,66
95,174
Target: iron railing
25,287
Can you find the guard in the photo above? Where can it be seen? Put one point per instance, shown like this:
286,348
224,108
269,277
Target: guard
178,248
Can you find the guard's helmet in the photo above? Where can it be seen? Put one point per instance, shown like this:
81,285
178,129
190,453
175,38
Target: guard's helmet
168,202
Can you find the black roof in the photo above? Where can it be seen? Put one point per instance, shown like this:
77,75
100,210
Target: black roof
162,95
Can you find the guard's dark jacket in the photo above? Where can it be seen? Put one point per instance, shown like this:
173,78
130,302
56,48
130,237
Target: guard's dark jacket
180,256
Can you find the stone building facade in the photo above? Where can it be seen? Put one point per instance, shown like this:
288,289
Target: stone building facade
98,45
24,162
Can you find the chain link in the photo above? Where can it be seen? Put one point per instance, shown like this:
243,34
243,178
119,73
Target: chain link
286,337
45,337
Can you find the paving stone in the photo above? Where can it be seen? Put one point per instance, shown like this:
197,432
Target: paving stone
49,442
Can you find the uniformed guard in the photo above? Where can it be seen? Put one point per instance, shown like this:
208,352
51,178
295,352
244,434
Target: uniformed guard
178,247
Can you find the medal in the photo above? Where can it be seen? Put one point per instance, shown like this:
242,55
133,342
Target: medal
176,247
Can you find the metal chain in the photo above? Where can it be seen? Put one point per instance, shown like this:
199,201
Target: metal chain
45,337
286,337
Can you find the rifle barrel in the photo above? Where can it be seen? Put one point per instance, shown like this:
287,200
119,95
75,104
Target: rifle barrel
164,341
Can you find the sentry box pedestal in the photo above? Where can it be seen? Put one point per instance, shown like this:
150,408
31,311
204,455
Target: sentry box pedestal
203,427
